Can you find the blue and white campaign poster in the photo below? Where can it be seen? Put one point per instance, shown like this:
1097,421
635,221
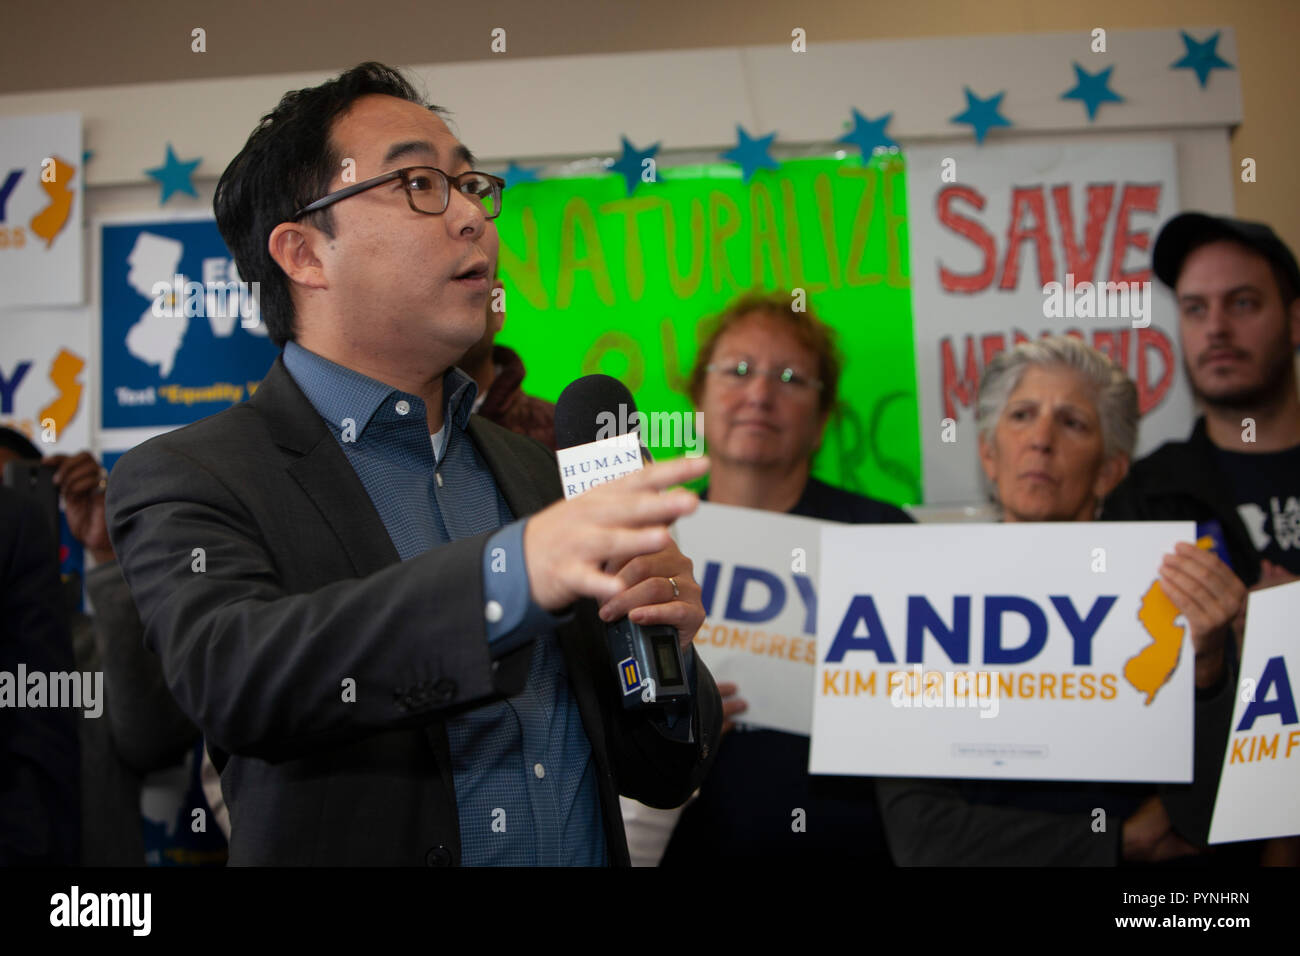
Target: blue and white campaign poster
757,570
41,185
182,333
1260,784
1016,651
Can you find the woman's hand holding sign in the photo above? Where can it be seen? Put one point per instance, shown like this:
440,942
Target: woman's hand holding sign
1210,597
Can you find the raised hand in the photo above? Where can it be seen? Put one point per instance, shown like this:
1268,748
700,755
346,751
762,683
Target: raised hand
79,480
569,545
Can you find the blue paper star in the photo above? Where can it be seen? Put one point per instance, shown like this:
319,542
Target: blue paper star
1092,89
629,164
174,175
1201,57
982,114
751,154
517,175
868,134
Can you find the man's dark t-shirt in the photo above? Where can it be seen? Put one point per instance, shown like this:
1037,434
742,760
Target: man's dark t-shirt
1266,491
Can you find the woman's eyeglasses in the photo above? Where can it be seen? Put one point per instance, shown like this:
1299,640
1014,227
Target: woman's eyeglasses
739,372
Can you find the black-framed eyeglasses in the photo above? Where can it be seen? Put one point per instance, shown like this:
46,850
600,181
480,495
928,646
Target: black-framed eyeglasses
428,190
735,373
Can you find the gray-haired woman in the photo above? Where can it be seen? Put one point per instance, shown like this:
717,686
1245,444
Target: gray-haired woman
1057,423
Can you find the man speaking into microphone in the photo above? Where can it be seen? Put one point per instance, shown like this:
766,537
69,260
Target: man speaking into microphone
388,628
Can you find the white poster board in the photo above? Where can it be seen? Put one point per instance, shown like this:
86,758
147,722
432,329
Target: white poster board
47,378
990,229
1259,790
41,180
758,570
1016,651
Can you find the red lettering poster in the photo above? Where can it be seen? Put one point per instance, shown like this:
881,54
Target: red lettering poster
1017,242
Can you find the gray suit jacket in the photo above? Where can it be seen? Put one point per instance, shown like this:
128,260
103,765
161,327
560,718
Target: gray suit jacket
265,580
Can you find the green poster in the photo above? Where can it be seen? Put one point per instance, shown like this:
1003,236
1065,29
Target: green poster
599,281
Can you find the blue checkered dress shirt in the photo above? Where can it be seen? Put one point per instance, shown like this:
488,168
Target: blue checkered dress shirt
522,767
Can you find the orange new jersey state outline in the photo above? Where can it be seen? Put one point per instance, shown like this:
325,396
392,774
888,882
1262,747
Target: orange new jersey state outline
1151,668
63,373
49,222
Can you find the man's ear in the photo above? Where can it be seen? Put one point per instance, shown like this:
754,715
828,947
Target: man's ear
294,249
1295,323
1112,472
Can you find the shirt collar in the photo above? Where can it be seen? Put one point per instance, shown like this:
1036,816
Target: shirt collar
338,392
460,391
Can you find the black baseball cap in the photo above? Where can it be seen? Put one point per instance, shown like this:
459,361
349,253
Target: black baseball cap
1189,230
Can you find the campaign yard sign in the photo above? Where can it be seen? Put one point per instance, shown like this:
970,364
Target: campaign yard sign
47,378
1259,790
1017,651
42,180
757,571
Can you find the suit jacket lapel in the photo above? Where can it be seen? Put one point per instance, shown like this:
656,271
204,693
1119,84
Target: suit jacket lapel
518,483
326,476
320,468
323,472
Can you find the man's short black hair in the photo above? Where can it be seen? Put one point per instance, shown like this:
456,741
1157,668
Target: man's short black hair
18,443
287,163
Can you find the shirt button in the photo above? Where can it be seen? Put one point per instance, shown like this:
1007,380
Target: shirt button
539,771
495,612
438,856
403,406
437,475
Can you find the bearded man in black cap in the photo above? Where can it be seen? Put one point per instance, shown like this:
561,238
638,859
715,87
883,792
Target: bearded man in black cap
1238,292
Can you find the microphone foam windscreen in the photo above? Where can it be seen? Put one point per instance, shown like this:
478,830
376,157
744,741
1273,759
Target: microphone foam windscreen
578,410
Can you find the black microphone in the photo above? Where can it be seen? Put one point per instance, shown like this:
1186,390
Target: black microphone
595,407
648,659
